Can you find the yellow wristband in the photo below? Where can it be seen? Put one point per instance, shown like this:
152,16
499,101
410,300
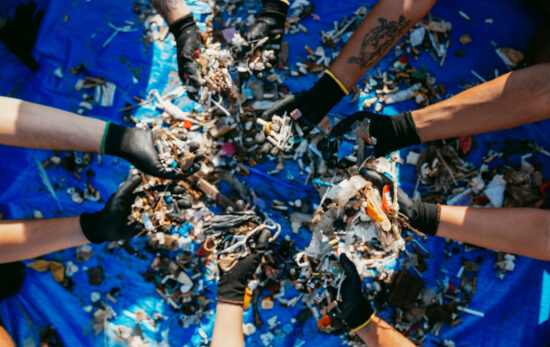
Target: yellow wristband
286,2
340,84
364,324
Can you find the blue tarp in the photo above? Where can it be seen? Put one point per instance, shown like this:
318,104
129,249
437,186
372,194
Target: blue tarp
516,309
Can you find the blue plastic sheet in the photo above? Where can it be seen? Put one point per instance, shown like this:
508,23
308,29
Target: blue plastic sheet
73,32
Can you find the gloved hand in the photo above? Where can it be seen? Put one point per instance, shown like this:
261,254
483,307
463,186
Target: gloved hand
356,310
188,40
137,146
391,132
422,216
232,284
111,223
314,103
19,34
270,22
13,276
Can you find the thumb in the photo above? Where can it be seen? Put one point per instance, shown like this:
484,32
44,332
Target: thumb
375,178
128,187
263,239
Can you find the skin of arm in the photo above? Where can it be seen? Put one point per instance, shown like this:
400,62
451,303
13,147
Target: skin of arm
523,231
24,239
5,339
25,124
513,99
228,326
379,333
383,26
171,10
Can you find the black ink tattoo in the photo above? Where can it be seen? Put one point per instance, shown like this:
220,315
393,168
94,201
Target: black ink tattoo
378,40
166,6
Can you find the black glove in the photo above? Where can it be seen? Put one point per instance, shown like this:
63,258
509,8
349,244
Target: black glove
232,285
137,146
270,22
391,132
356,310
422,216
19,34
188,40
111,223
13,276
314,103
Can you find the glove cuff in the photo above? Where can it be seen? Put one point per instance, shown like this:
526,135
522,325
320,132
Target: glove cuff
327,92
231,293
361,315
89,226
182,24
113,139
426,219
401,132
365,323
275,7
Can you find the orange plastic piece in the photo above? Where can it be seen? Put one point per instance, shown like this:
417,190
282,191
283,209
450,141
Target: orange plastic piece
247,298
373,214
187,124
324,321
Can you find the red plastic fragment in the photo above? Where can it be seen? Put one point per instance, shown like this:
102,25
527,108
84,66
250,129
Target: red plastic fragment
465,144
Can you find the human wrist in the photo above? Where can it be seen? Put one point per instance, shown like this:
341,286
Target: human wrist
179,26
113,139
275,7
89,226
324,95
426,218
360,316
230,291
394,133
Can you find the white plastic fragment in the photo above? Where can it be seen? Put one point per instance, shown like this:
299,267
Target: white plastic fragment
249,329
186,282
417,36
495,190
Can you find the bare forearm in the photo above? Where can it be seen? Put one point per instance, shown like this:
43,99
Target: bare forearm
508,101
25,124
228,327
171,10
384,25
380,333
24,239
523,231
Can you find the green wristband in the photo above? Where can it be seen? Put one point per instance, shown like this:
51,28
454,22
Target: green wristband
105,137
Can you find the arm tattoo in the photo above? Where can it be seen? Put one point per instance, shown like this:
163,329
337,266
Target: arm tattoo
166,6
378,40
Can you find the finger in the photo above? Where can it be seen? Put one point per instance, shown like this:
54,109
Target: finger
263,240
348,265
22,12
36,23
29,61
279,107
170,174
